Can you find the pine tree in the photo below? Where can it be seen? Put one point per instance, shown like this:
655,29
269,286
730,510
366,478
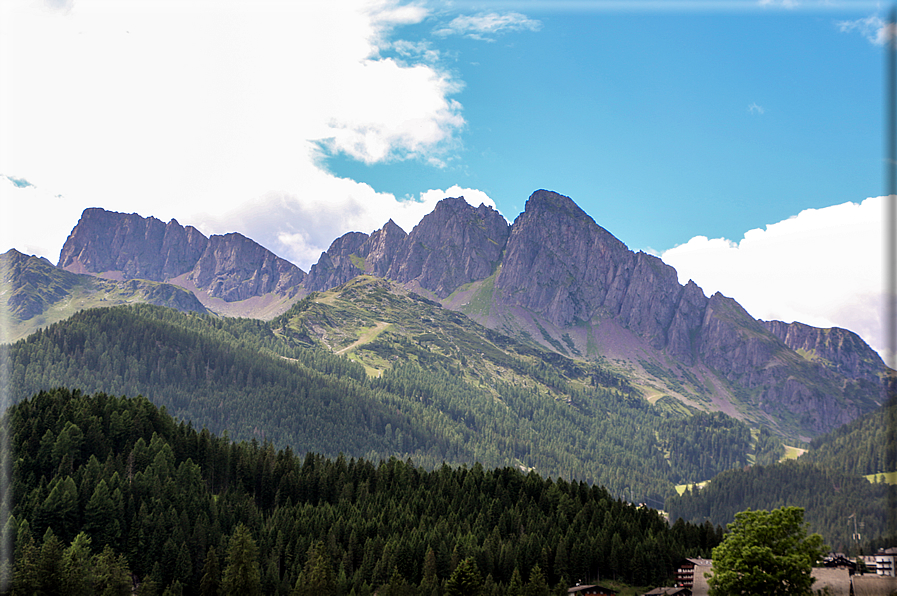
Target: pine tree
466,579
536,586
208,585
317,577
515,586
242,576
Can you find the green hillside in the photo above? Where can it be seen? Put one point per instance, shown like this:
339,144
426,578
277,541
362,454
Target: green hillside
107,487
842,475
426,383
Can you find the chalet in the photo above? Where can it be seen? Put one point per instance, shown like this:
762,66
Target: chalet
834,581
688,569
669,592
874,585
591,591
839,561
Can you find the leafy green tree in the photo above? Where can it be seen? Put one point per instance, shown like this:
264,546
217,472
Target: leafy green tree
466,579
766,552
242,576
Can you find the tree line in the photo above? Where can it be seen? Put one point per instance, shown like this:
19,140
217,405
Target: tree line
555,416
110,490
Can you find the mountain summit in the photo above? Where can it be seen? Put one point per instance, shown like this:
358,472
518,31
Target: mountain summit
554,277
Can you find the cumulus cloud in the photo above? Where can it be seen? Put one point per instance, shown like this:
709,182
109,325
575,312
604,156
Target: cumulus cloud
311,223
823,267
872,28
216,114
485,26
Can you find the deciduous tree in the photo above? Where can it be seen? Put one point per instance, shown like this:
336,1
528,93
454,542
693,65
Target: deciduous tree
766,552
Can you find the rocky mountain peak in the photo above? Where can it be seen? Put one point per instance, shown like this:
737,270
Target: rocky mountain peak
836,348
128,246
455,244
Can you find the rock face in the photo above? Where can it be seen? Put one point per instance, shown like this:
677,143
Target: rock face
838,349
452,246
139,248
557,267
339,264
231,267
565,268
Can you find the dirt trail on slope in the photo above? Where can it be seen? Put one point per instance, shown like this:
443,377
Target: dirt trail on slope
366,337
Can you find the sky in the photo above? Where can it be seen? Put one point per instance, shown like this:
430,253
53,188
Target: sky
740,140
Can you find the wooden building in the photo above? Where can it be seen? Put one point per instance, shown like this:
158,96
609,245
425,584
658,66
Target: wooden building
591,591
690,569
669,592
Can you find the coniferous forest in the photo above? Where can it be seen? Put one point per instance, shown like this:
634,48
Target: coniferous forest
474,396
111,492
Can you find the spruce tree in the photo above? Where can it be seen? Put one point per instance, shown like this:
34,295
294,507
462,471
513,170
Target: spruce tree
466,579
242,576
211,580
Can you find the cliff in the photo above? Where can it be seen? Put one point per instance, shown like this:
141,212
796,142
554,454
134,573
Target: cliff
127,246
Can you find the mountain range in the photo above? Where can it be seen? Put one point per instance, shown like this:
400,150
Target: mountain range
552,278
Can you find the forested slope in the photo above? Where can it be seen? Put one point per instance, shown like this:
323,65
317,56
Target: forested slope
486,399
863,446
828,496
105,487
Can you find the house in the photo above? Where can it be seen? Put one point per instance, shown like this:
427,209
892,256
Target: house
591,591
835,581
839,560
869,561
874,585
884,561
689,569
700,587
669,592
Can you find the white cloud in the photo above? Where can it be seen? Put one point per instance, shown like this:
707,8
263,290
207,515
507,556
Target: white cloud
872,28
823,267
756,109
214,113
485,26
311,223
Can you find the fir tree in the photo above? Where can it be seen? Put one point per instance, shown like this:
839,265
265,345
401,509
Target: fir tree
242,576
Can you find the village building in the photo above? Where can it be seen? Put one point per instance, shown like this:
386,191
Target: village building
591,591
669,592
874,585
834,581
690,569
884,561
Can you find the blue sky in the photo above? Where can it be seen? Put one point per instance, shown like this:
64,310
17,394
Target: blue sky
741,140
661,125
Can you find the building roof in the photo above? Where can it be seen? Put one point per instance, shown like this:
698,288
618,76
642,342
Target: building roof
836,579
700,587
669,592
578,589
874,585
